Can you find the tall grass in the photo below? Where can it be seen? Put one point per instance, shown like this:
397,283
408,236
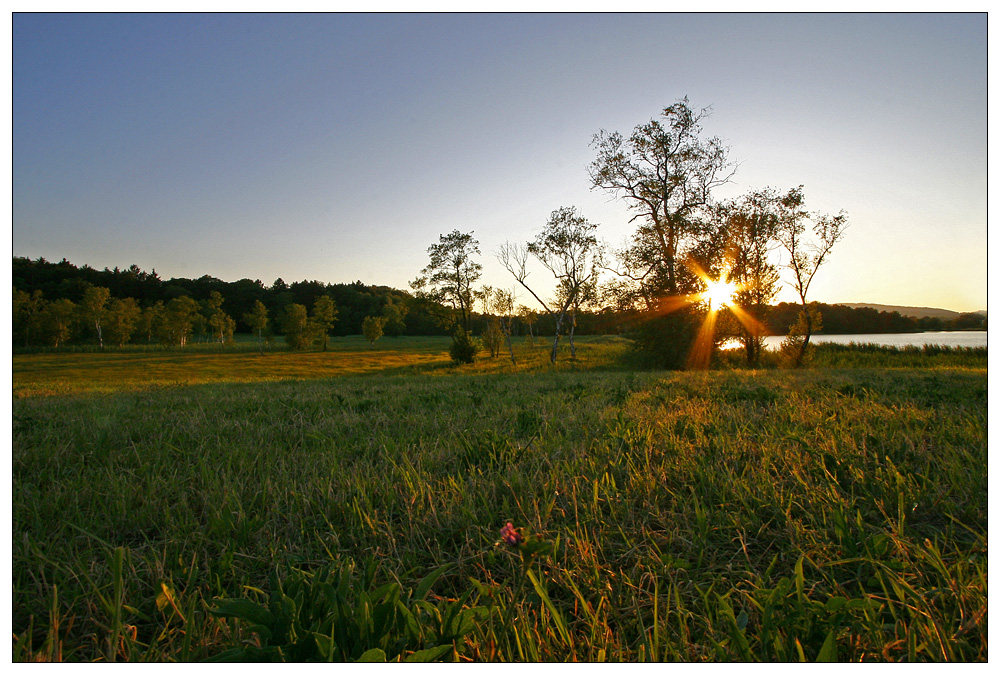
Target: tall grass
711,516
870,355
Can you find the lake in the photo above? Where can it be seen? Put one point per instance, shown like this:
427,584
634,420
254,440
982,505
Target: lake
948,338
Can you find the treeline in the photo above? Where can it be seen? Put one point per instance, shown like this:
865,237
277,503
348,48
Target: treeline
844,320
59,303
56,304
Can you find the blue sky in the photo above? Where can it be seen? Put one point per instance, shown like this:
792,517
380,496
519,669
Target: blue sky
339,146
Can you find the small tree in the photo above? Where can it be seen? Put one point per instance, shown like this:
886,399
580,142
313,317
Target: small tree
257,320
295,323
529,318
568,248
371,327
220,323
793,347
805,256
448,281
498,308
176,321
324,315
26,308
150,319
463,346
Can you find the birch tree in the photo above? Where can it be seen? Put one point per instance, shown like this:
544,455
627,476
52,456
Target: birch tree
568,248
93,308
257,320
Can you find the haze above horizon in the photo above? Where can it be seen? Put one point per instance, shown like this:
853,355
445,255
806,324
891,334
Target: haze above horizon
338,147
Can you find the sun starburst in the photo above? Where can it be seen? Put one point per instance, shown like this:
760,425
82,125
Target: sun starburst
719,294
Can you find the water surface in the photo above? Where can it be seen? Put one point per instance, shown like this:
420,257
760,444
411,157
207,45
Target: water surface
946,338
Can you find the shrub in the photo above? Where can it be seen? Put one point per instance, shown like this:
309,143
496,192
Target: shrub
463,347
493,337
665,341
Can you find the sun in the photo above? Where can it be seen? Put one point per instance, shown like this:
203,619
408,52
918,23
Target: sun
719,294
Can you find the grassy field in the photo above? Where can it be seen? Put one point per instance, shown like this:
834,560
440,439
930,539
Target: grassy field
348,505
92,371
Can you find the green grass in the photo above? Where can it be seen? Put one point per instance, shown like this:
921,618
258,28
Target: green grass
692,516
113,370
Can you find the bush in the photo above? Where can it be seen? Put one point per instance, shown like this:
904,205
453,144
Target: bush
493,337
463,347
665,341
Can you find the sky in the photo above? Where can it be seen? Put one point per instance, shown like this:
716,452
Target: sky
337,147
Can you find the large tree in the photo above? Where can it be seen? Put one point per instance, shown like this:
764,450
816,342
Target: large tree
666,171
450,276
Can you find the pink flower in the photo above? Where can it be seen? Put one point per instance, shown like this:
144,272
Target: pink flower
510,536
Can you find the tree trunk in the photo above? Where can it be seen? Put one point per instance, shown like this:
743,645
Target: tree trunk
572,330
510,347
800,357
555,340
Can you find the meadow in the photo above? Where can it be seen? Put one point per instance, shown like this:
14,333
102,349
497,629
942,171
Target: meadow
348,505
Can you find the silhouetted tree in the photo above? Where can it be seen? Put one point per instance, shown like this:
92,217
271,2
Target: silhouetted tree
450,276
666,172
749,227
806,255
568,248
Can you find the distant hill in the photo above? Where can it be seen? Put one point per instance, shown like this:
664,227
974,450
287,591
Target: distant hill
916,312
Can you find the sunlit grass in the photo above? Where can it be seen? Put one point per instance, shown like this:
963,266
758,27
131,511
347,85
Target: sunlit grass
123,370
